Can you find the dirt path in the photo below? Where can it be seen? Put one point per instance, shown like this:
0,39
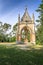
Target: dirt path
29,47
23,46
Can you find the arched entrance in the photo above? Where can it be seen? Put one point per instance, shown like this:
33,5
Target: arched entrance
25,35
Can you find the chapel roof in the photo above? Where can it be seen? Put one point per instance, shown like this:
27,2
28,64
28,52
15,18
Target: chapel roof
26,16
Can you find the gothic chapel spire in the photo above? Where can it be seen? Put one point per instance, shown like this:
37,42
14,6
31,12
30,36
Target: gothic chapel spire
26,9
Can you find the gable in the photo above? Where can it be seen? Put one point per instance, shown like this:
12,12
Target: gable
26,17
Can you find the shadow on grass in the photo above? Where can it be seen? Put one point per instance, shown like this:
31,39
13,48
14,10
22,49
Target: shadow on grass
15,56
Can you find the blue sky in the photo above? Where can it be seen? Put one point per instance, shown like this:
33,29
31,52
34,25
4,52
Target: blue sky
9,9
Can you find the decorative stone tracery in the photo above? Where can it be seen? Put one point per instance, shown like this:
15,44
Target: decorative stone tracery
27,24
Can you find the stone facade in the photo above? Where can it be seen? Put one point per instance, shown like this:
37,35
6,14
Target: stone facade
26,22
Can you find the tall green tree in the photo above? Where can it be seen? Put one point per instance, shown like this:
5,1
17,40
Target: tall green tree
3,29
6,27
40,21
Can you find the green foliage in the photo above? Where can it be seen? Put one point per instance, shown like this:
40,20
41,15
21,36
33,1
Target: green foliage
40,26
3,29
15,27
38,42
28,36
4,37
15,56
6,26
25,34
13,39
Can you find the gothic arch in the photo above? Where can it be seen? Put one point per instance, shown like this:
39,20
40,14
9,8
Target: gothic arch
27,28
28,23
26,34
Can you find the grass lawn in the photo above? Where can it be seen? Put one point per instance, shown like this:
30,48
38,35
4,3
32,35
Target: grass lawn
12,55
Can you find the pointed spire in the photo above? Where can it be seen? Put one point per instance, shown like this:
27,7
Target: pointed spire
18,22
33,15
18,17
26,16
26,8
33,18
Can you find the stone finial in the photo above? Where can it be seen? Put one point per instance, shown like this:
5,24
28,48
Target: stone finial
18,17
26,9
33,17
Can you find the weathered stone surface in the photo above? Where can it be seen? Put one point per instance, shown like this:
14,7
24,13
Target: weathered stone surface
28,23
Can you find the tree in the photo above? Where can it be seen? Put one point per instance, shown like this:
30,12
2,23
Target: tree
6,27
3,29
15,29
40,26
